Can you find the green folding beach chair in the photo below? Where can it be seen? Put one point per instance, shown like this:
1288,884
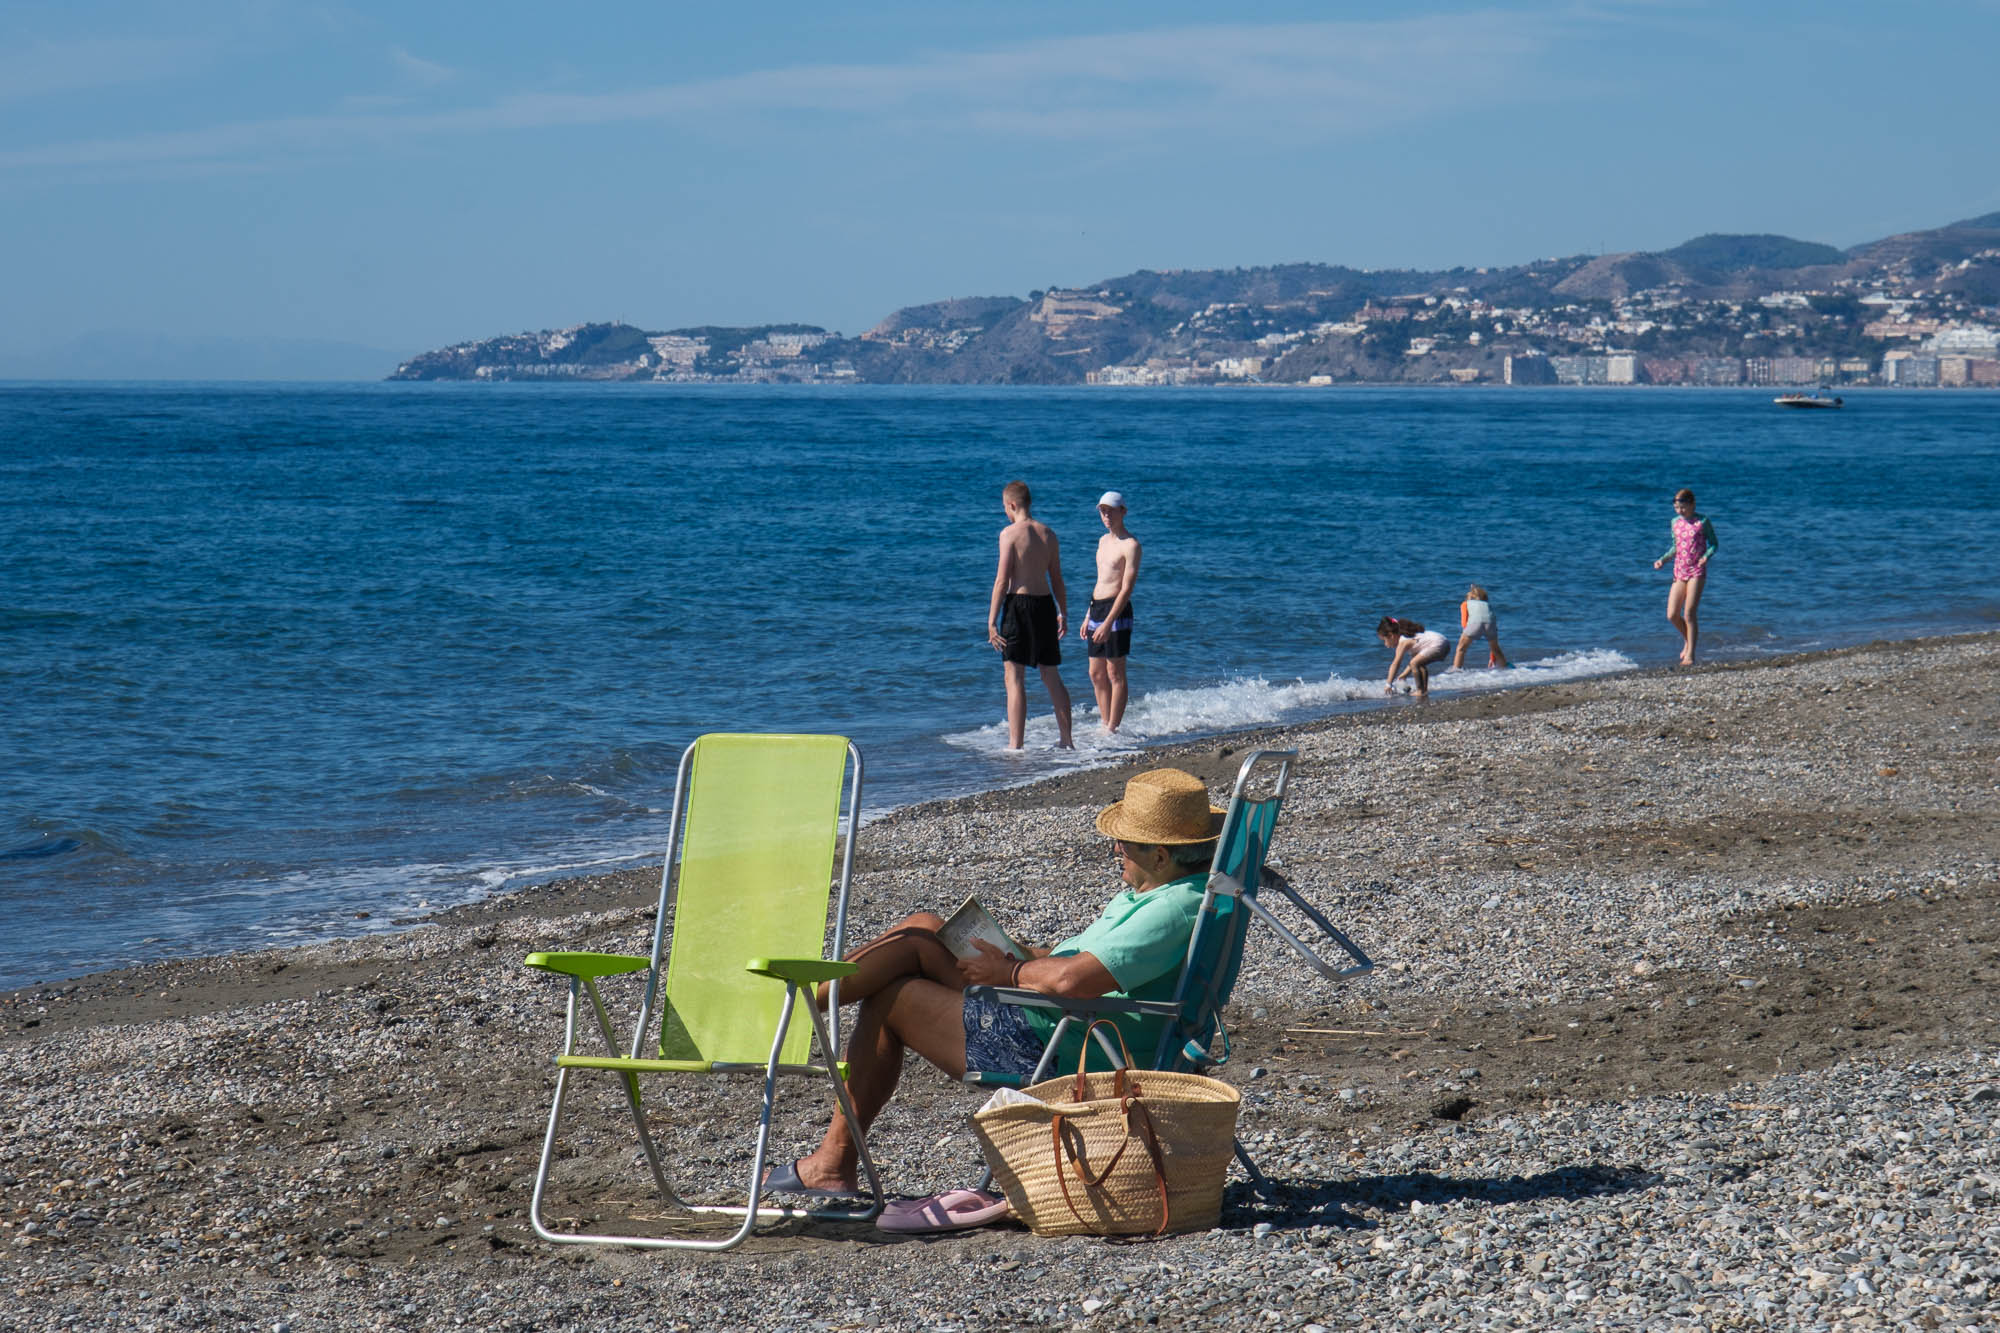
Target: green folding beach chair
754,824
1193,1018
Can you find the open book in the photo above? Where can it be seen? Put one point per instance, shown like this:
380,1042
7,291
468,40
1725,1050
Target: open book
973,922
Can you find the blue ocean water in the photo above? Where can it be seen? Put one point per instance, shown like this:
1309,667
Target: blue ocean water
274,656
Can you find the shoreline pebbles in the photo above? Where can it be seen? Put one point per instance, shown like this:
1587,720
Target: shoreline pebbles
1684,1018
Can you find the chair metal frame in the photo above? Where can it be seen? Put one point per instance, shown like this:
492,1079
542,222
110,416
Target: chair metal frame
583,971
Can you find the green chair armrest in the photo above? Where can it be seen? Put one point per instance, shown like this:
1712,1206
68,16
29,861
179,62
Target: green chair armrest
587,964
801,971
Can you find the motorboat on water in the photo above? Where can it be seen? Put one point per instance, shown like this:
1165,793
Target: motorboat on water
1805,400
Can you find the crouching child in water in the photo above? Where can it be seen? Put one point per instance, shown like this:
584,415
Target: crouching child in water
1408,639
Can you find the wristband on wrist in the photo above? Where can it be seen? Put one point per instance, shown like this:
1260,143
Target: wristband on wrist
1014,977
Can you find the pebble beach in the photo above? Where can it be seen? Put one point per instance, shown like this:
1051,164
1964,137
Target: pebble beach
1683,1018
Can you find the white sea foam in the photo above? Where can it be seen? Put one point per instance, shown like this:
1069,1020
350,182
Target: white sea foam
390,893
1234,705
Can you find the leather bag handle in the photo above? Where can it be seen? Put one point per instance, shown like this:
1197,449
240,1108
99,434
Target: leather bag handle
1138,1116
1081,1091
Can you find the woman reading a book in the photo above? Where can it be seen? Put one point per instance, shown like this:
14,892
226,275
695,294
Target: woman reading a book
911,987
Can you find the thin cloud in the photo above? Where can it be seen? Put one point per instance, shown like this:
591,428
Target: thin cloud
417,70
416,79
1308,79
44,69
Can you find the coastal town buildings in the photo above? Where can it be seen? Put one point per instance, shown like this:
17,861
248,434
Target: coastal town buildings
1528,368
678,352
1920,311
1910,370
1969,340
1781,370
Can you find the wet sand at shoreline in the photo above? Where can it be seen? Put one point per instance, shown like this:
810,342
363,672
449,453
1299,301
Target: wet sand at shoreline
1600,908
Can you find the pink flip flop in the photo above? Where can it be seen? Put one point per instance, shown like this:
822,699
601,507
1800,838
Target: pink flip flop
954,1210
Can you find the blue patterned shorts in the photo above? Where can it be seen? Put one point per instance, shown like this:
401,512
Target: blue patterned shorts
998,1039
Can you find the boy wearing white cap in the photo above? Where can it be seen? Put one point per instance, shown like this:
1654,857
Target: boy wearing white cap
1107,630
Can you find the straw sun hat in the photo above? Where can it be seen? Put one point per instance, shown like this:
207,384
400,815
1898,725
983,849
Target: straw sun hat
1163,806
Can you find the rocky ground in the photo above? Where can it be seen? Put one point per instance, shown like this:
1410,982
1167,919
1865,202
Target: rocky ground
1684,1019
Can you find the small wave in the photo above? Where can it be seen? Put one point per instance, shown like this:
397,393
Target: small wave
1543,671
45,838
39,617
1235,705
35,851
430,884
1093,747
639,852
507,788
331,902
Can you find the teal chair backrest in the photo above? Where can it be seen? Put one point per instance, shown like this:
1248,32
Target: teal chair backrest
1216,952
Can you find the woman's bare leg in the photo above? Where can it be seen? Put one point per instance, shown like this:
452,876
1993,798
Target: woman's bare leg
910,1014
910,949
1458,658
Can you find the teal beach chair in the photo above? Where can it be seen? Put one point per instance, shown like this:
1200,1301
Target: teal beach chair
753,828
1187,1042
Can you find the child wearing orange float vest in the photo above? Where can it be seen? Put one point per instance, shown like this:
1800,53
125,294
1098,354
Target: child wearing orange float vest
1477,621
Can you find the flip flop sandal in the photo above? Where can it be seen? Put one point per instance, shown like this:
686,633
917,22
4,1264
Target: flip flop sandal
954,1210
785,1180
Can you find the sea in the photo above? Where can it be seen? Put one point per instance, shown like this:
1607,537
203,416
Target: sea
286,662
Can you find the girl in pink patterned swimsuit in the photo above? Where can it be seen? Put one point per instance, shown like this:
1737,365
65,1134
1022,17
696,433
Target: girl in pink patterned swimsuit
1694,543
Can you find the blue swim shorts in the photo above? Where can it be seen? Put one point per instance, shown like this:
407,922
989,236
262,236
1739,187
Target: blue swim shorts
998,1039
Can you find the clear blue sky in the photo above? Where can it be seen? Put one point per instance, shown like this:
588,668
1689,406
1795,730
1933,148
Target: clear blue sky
404,175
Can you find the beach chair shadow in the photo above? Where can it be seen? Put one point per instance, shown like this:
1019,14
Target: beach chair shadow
753,829
1298,1203
1194,1017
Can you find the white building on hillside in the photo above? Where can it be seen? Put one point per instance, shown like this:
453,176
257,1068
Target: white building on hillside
792,344
678,351
1965,340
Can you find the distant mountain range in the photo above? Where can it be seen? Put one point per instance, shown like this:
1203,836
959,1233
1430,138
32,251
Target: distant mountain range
1716,295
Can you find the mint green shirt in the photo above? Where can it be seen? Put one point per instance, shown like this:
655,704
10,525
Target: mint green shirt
1142,940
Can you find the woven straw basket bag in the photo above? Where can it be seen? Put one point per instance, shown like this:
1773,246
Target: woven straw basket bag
1121,1153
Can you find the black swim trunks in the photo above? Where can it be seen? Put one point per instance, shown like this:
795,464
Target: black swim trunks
1028,630
1118,643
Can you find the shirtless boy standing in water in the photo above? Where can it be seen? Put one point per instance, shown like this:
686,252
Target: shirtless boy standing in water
1024,621
1108,628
